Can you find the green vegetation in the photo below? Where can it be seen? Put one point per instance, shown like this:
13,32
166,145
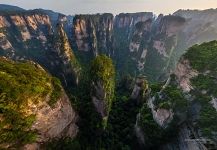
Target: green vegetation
22,84
170,98
56,92
206,83
152,130
102,71
202,58
119,131
175,98
208,114
154,134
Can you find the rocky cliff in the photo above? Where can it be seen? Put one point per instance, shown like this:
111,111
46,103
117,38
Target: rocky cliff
93,33
137,42
34,107
62,58
141,42
198,82
25,34
103,85
30,35
153,44
162,112
186,103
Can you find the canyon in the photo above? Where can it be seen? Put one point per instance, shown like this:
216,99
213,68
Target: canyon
133,73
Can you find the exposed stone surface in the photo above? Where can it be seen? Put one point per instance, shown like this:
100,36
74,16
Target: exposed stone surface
140,90
184,73
4,22
98,99
201,26
128,20
184,141
214,103
26,30
93,33
53,122
162,116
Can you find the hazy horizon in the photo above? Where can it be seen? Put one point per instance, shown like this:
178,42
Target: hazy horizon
111,6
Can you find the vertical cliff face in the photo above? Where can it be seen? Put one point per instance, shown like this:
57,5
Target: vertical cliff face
93,33
124,27
125,24
159,60
30,35
129,20
58,122
140,90
103,85
25,34
148,42
63,58
184,73
197,81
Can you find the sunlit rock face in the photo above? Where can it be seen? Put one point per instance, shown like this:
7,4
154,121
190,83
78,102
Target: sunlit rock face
146,43
54,122
31,35
184,73
41,108
93,33
25,34
62,58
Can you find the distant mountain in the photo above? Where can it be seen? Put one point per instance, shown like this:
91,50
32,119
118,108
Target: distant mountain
4,7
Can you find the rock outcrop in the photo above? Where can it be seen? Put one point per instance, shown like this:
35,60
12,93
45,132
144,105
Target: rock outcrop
25,34
153,43
184,73
40,106
58,121
198,83
93,33
102,85
63,58
147,44
140,90
31,35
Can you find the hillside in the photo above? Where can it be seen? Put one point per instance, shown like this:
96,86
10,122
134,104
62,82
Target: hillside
26,93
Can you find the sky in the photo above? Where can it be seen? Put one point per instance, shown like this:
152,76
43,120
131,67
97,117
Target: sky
113,6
